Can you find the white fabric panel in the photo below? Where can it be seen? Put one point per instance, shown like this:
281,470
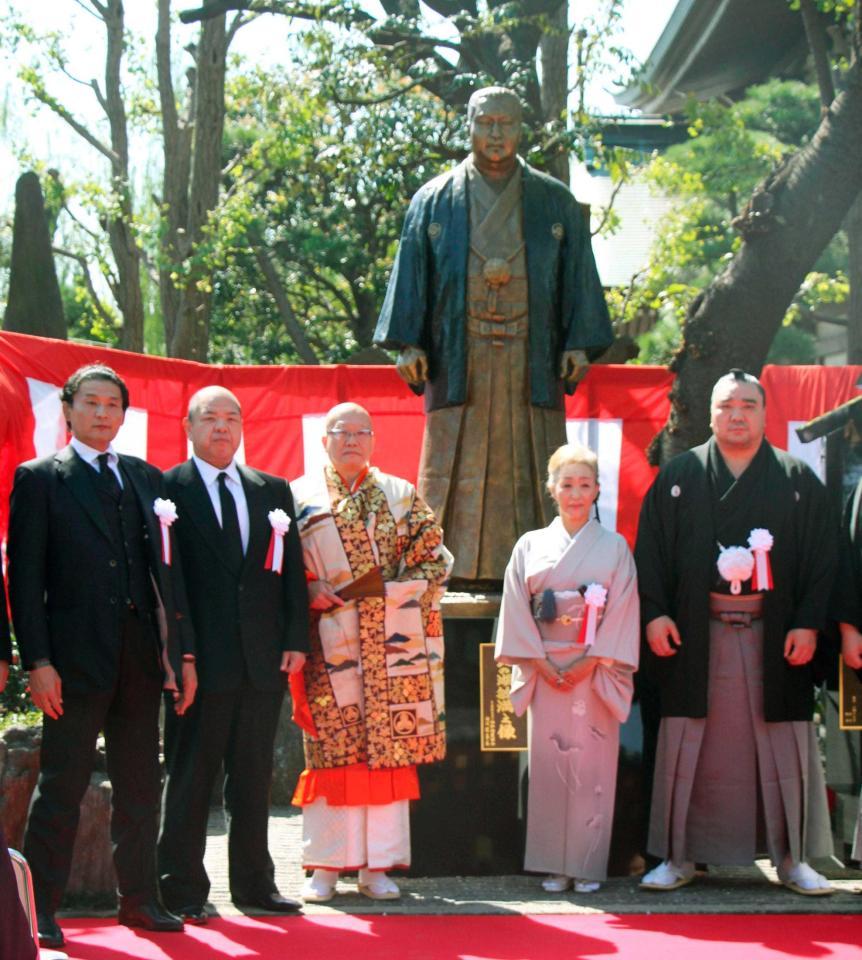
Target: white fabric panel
132,437
314,456
49,433
605,439
813,453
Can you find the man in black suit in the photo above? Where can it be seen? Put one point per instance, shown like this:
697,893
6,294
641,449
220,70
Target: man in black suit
250,614
86,577
15,936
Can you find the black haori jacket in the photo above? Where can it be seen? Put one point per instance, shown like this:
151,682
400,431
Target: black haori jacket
676,553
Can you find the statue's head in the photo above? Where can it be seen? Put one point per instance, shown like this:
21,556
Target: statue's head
494,115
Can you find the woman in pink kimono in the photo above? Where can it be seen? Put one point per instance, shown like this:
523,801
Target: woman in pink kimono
569,627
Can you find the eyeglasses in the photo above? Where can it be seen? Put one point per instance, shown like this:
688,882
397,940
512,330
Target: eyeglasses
351,434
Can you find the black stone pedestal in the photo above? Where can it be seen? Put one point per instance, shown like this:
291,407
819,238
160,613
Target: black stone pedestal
472,815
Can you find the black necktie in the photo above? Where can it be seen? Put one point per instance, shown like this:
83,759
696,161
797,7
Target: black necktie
229,524
108,478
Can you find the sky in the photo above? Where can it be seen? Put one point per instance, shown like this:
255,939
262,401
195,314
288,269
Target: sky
266,40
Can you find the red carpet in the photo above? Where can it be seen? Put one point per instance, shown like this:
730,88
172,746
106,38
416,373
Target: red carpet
623,937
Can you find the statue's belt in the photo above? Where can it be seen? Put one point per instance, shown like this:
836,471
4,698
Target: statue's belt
512,328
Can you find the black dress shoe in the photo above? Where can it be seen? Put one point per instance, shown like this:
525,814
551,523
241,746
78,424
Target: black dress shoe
50,935
150,915
192,914
274,902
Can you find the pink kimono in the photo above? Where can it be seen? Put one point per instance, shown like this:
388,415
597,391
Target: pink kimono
574,734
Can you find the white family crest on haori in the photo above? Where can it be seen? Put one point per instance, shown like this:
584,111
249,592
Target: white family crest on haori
166,511
280,523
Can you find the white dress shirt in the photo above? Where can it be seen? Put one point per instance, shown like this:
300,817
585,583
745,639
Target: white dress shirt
89,455
209,475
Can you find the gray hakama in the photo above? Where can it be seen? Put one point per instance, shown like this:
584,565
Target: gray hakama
574,734
732,786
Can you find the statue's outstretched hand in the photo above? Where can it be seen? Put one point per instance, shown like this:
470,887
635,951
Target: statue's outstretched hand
412,366
574,366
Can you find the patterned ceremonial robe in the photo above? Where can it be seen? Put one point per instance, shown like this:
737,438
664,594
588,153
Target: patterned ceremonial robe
374,677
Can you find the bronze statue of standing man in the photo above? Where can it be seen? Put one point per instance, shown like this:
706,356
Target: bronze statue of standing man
496,307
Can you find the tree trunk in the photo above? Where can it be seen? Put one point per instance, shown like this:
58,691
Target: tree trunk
34,304
282,302
124,246
554,49
177,146
853,229
191,334
790,218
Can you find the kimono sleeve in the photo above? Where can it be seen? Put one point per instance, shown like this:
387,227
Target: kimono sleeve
518,637
585,312
847,596
424,557
652,555
817,556
618,635
402,318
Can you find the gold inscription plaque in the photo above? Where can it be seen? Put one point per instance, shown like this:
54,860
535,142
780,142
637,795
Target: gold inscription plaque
849,698
500,729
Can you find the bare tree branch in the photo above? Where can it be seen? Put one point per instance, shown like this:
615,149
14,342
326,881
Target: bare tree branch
607,210
78,127
815,32
371,101
282,302
82,262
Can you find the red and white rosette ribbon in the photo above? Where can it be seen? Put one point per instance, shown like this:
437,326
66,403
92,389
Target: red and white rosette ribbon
280,523
735,565
166,511
760,541
595,597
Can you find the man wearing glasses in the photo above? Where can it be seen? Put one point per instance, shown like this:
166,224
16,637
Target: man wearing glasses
370,699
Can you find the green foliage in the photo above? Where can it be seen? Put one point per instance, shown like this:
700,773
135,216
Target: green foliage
322,186
731,148
16,707
792,345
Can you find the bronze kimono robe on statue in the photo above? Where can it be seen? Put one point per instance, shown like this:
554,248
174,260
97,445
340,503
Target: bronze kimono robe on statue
374,676
493,348
574,734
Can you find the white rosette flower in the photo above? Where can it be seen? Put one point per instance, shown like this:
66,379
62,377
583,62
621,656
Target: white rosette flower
280,523
595,597
735,564
761,540
166,511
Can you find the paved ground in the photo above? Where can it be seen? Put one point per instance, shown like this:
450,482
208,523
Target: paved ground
726,890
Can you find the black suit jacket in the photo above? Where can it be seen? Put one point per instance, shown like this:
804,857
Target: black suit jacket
244,620
63,570
5,642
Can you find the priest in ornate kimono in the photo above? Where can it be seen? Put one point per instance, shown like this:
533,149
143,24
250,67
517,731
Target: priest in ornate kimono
847,607
569,626
736,557
370,700
496,306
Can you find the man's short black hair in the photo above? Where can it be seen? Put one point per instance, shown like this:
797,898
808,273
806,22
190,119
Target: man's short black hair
740,376
93,371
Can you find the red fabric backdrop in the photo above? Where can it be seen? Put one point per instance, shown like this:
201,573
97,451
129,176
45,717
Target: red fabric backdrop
275,400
